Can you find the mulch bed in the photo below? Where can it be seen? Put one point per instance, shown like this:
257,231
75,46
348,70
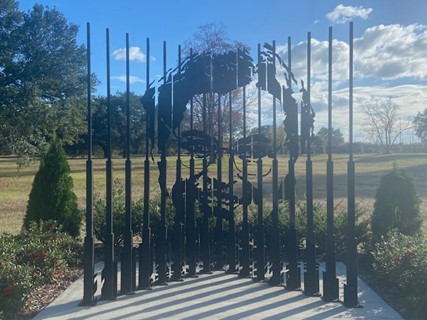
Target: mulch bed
42,296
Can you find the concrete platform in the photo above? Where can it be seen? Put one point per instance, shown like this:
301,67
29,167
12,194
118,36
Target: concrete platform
218,296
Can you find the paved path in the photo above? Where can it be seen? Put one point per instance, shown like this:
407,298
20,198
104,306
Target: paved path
218,296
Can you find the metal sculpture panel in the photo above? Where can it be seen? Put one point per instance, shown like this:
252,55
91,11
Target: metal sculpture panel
205,235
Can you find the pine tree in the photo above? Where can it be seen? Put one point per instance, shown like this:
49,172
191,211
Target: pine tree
52,196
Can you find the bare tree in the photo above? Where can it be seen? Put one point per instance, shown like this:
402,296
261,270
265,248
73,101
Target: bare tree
384,123
213,38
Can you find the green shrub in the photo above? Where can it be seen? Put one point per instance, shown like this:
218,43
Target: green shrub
36,256
400,265
52,196
340,226
15,279
119,214
397,205
320,227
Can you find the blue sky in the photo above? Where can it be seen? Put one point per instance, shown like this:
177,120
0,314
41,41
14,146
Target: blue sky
390,43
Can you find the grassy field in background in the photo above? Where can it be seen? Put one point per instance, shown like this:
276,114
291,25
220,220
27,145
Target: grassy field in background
15,184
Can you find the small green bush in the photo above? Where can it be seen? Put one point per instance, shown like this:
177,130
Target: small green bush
36,256
397,205
320,226
15,279
119,214
52,196
400,265
340,226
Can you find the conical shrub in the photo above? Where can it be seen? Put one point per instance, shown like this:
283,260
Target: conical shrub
52,196
397,205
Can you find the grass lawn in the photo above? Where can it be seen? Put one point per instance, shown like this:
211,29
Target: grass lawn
15,184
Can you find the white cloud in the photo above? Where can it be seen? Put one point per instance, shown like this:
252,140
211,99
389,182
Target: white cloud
135,54
389,62
392,52
343,14
132,79
381,53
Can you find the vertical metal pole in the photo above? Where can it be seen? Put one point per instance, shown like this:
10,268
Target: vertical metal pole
205,237
260,221
350,288
219,216
162,243
108,288
275,250
231,223
145,261
294,279
311,277
330,281
244,256
89,286
180,209
191,198
127,276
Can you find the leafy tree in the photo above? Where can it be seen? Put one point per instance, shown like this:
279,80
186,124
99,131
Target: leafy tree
420,124
397,205
118,119
52,196
267,131
384,123
42,79
321,139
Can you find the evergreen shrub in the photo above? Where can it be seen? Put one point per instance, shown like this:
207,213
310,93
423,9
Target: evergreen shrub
397,205
52,196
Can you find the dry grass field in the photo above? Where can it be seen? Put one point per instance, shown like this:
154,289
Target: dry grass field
15,184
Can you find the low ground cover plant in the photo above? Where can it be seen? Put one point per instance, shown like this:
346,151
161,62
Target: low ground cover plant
37,256
400,266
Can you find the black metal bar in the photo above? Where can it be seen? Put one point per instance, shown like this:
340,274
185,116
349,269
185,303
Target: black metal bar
231,223
89,286
275,250
205,238
162,243
190,203
108,287
244,255
178,244
219,214
350,288
293,280
260,243
330,281
311,276
145,262
127,276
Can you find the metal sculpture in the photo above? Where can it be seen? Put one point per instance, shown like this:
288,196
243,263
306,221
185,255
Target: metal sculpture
90,285
194,242
350,288
109,289
164,130
127,276
244,255
290,107
311,275
330,281
145,262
